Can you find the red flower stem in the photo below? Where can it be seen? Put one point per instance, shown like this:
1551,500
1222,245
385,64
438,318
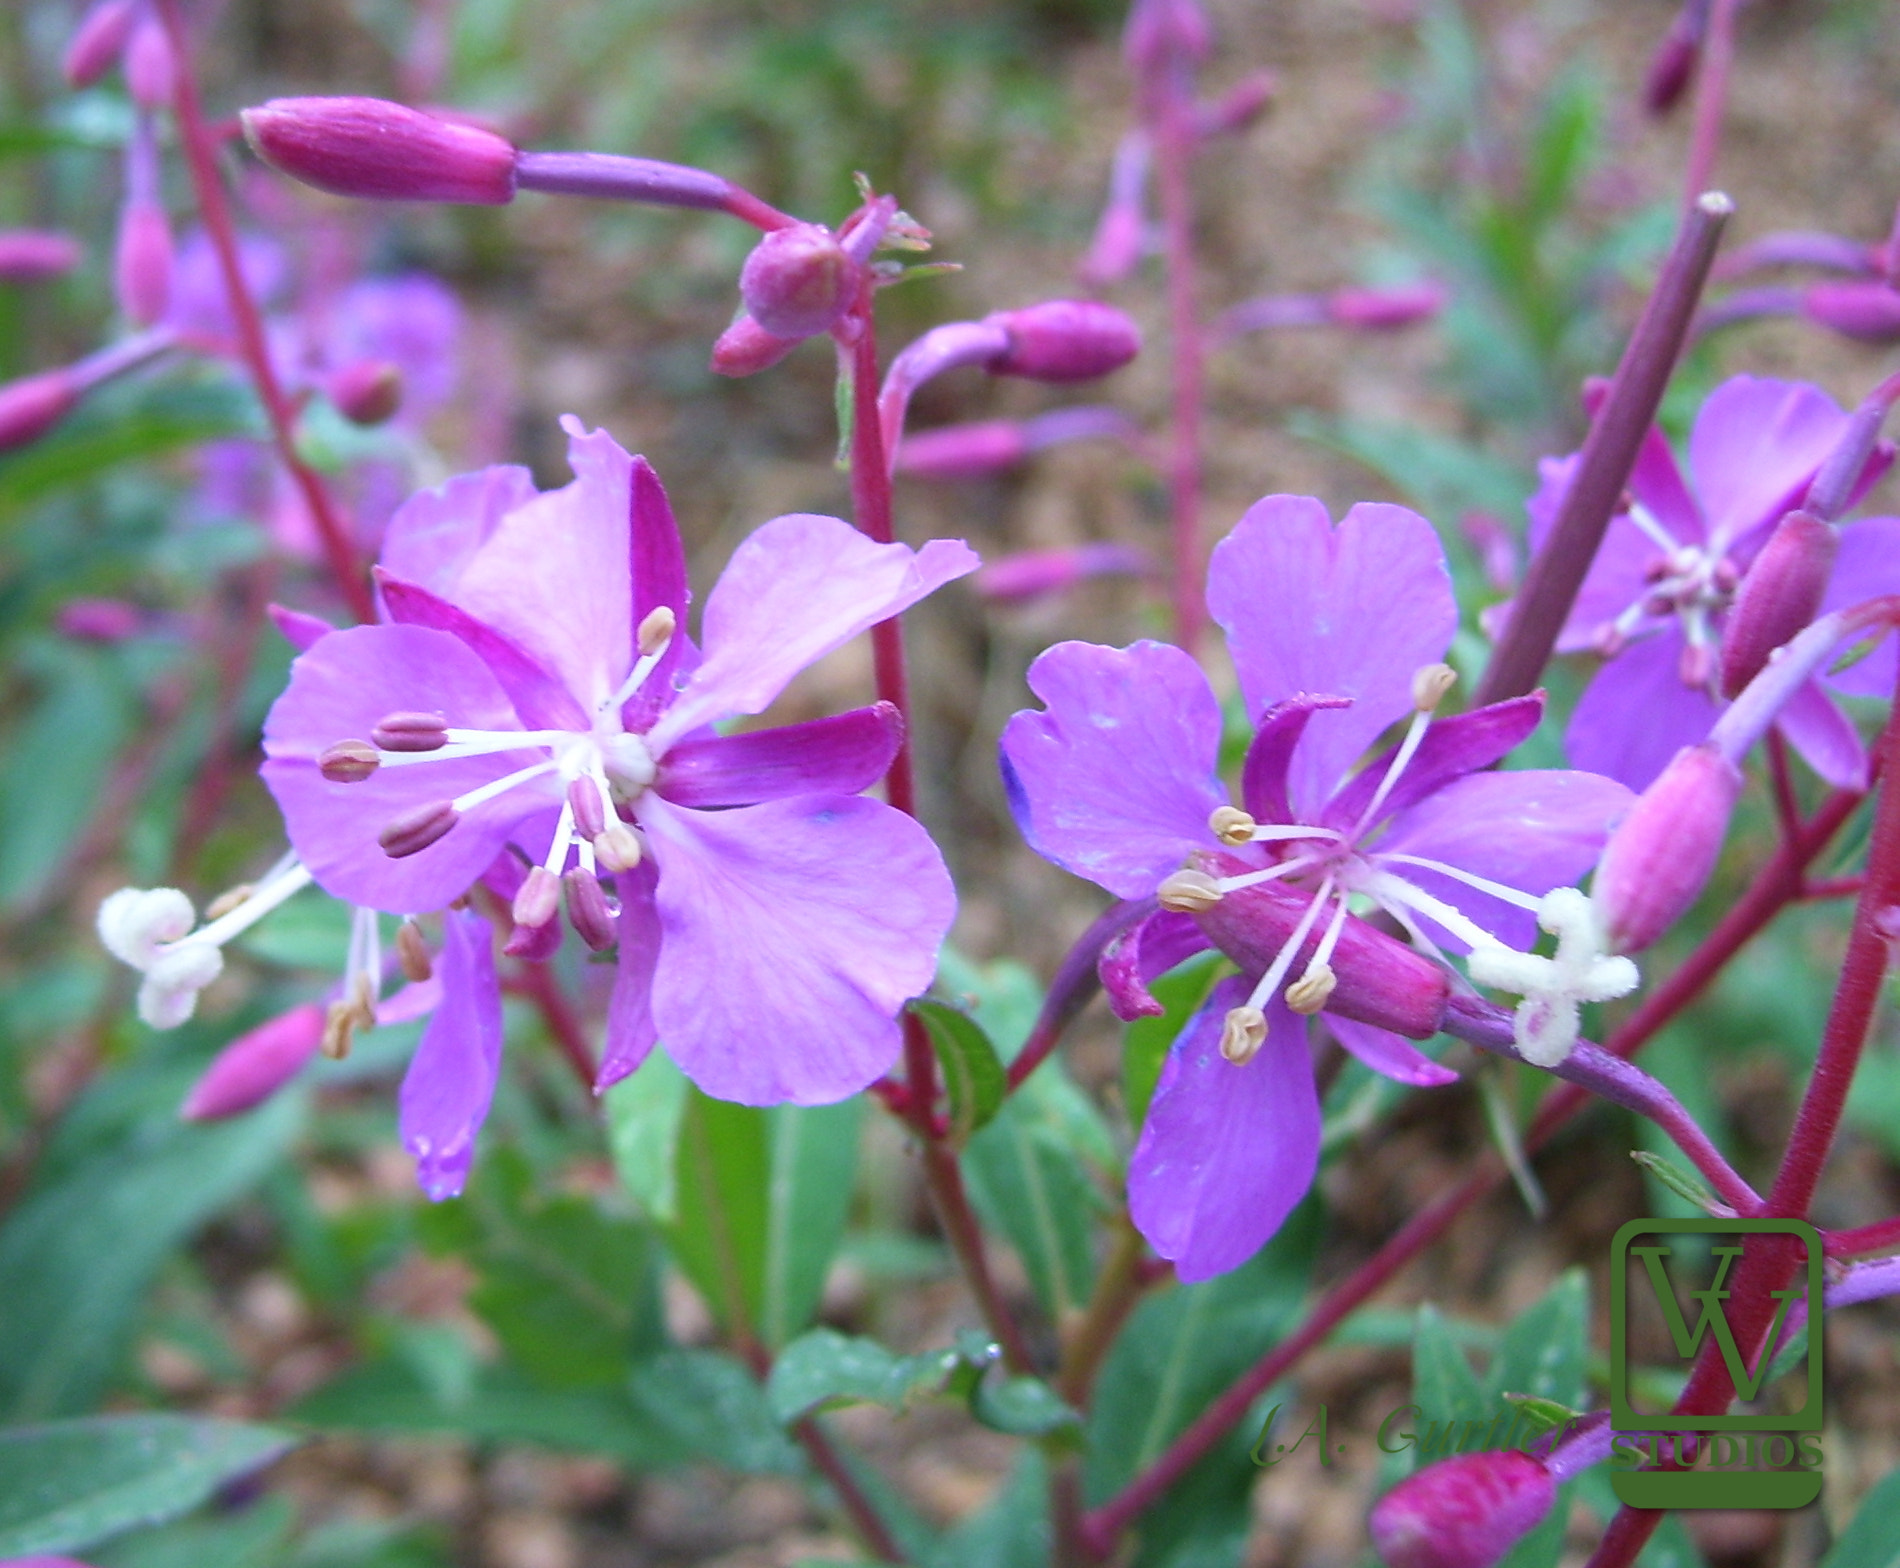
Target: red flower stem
1832,887
830,1464
1781,777
1777,884
1711,98
871,509
1879,1237
1609,453
215,211
1174,150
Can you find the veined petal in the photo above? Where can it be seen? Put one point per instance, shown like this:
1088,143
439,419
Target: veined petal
836,756
658,563
1531,830
1226,1152
432,535
1115,781
1134,958
1263,778
1755,447
1825,737
1637,714
1389,1053
451,1079
630,1028
1452,748
339,690
1868,565
797,588
1351,611
792,934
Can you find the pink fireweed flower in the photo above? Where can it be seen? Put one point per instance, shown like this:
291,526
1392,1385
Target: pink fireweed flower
1335,634
534,710
1657,597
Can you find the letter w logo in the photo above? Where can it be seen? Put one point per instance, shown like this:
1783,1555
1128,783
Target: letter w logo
1689,1342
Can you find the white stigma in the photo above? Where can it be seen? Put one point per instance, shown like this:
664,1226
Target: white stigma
1554,989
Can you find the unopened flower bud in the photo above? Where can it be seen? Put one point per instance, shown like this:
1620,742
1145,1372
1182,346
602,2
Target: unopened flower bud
349,761
32,405
411,732
142,265
1464,1512
1662,852
1064,340
367,391
412,953
1383,310
97,42
1231,825
1866,312
1189,892
256,1065
1311,992
964,451
1238,107
1672,66
372,148
27,255
588,910
1032,574
100,620
538,898
617,848
1160,32
414,831
798,281
1242,1033
745,348
1781,594
151,73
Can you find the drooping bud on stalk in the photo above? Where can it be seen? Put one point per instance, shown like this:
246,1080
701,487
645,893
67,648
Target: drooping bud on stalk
32,405
1242,1033
151,74
1672,67
412,953
798,281
28,255
142,266
1383,310
367,391
1464,1512
411,732
745,348
588,910
1660,856
1865,312
1065,340
348,761
97,41
383,151
415,830
985,446
1121,233
256,1065
1781,594
1031,574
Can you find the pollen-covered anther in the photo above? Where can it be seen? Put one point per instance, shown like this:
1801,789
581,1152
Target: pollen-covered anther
229,900
656,631
1313,990
617,848
538,898
1232,826
349,761
411,732
1188,892
345,1016
414,831
412,953
588,910
1242,1034
1430,683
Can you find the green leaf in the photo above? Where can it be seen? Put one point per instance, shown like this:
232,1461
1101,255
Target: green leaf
254,1537
814,1160
1013,1531
1684,1184
643,1130
1026,1183
1443,1384
1146,1042
69,1484
713,1407
124,1184
1873,1539
571,1293
1024,1407
1003,996
825,1368
1545,1350
972,1071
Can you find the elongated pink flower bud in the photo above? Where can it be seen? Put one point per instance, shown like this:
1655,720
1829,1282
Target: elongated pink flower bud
384,151
255,1066
98,620
1781,594
32,405
28,255
1661,854
1382,310
150,71
1238,107
97,41
1866,312
798,281
1465,1512
143,265
367,391
1160,32
964,451
1065,340
745,348
1672,67
1034,574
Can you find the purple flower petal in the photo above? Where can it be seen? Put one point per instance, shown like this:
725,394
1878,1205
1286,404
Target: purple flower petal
631,1031
1452,748
797,588
1389,1053
793,932
1263,778
1637,714
1300,601
1755,448
1116,781
835,756
1868,566
301,631
1532,831
451,1079
1825,737
1226,1152
658,560
1134,958
432,534
338,691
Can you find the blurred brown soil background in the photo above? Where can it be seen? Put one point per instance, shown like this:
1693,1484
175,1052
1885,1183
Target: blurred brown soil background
612,320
